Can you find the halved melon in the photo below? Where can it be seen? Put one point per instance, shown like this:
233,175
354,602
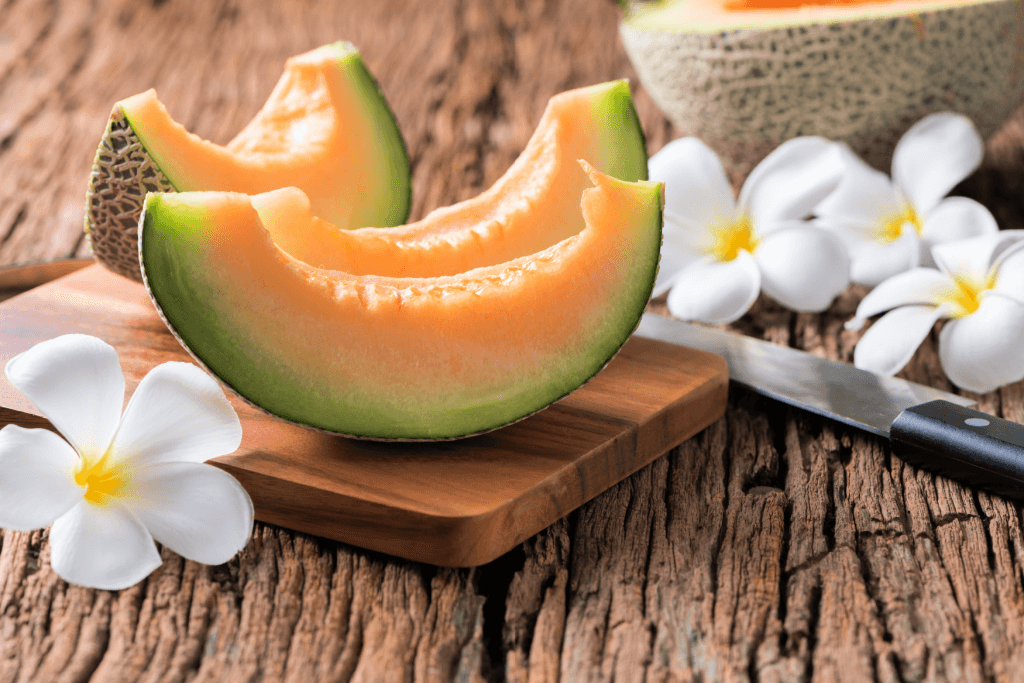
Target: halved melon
325,128
400,358
534,205
746,75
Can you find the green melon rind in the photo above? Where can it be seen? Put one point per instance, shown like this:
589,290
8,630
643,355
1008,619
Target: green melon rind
863,81
626,147
184,288
396,161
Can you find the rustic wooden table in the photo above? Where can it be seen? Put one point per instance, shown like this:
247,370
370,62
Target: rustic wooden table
775,546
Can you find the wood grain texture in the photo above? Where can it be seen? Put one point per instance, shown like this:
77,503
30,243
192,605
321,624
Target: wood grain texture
451,503
774,546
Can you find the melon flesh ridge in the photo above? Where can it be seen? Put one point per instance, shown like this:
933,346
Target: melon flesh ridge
298,118
533,205
479,346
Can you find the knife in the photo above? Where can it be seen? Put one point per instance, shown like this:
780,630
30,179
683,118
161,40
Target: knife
932,429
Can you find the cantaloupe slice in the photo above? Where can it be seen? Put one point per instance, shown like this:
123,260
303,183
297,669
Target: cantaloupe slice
534,205
746,75
325,128
400,358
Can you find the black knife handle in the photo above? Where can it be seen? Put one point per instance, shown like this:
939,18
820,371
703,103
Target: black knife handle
974,447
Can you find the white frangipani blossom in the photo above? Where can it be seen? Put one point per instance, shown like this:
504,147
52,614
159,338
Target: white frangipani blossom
119,482
718,252
889,226
979,287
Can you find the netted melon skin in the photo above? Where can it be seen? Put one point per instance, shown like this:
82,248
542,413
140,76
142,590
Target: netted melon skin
863,82
122,174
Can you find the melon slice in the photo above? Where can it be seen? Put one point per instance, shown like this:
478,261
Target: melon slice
746,75
534,205
400,358
325,128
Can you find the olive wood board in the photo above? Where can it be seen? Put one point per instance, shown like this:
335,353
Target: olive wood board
455,503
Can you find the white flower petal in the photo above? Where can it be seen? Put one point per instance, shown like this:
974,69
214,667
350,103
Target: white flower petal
177,413
955,218
852,236
792,180
37,478
972,256
198,511
802,267
933,156
1008,242
696,187
890,343
874,261
716,292
983,351
923,286
693,237
1009,272
102,547
681,245
76,382
1006,264
862,200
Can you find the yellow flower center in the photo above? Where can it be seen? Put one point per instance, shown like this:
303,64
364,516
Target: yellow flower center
965,294
103,479
892,227
733,236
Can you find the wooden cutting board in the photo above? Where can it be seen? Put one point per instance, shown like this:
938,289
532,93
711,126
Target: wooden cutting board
457,503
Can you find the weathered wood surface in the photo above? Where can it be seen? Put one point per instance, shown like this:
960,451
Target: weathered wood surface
458,504
773,547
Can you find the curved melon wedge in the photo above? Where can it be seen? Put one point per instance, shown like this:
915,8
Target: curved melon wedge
534,205
400,358
325,128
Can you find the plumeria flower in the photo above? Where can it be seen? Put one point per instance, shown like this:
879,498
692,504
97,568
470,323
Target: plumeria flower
979,287
719,253
119,482
889,226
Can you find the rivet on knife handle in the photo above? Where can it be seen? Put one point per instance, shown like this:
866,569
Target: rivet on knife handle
963,444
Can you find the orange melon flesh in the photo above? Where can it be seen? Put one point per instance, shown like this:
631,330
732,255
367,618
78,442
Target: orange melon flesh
740,5
400,358
533,206
715,16
324,129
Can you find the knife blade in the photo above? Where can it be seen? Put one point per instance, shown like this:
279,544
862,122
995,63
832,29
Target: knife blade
932,429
